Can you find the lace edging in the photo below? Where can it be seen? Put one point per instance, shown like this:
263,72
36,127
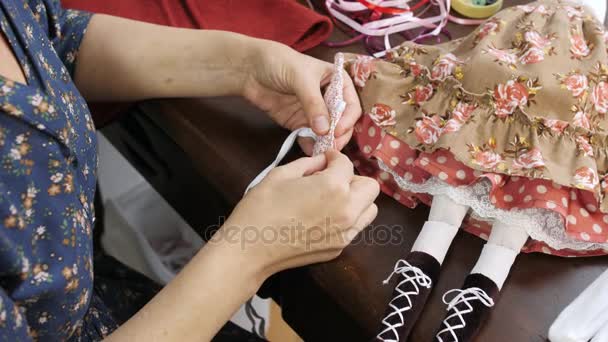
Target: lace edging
541,224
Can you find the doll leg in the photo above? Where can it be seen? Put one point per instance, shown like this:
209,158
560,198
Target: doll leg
470,305
419,270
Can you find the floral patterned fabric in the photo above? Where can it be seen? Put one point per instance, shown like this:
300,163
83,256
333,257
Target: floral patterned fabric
520,104
47,176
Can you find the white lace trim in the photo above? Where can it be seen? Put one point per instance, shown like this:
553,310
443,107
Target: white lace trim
541,224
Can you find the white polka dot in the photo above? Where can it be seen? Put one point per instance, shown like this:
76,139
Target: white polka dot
443,176
442,159
571,219
573,195
555,185
477,173
356,163
367,149
551,205
384,176
591,208
528,198
493,199
565,201
541,189
483,236
371,131
515,179
395,144
379,146
409,161
476,225
545,250
497,178
584,213
394,161
460,174
396,196
522,189
424,161
382,134
508,198
597,228
605,218
585,236
408,176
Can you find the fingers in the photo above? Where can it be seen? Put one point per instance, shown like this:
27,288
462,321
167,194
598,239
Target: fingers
307,145
342,140
339,167
299,167
308,91
352,113
366,218
363,192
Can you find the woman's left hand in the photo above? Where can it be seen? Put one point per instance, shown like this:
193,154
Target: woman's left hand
287,85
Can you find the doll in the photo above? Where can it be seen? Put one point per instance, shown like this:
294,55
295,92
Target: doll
502,132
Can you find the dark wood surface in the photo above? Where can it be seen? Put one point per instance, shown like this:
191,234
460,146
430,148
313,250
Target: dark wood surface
229,142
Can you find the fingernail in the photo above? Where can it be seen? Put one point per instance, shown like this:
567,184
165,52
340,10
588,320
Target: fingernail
320,124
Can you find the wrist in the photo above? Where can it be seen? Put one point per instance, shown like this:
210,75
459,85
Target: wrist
238,258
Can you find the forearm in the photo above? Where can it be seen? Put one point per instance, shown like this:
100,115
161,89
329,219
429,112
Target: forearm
122,59
199,301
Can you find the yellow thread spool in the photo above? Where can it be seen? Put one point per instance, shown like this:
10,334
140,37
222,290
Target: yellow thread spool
468,9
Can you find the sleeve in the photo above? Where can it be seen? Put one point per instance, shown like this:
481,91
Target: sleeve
13,324
67,28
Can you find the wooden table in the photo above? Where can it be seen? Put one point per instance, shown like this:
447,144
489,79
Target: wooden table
229,142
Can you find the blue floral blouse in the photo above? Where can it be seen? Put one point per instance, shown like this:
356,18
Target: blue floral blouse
47,177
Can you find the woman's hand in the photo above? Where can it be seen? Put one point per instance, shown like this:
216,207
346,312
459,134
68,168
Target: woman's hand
304,212
287,85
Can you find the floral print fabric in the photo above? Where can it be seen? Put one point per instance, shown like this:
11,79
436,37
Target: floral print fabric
47,176
521,101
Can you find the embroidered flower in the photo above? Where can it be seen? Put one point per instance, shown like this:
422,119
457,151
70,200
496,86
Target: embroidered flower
503,56
581,119
578,46
532,55
576,83
487,159
489,27
416,69
537,40
509,96
585,178
382,115
584,145
573,12
444,67
361,70
599,97
428,129
421,94
533,159
557,126
461,113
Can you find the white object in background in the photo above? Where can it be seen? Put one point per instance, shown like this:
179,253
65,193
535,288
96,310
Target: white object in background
585,316
598,7
147,225
117,177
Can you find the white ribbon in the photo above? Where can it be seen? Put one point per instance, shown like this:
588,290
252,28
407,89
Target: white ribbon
385,27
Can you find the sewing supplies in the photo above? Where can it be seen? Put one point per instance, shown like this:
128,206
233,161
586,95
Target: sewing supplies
415,20
477,8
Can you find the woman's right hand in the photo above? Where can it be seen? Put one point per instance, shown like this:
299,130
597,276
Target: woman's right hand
304,212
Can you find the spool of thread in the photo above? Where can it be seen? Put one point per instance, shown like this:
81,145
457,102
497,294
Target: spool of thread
477,9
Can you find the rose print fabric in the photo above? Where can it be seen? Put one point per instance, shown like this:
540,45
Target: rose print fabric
511,120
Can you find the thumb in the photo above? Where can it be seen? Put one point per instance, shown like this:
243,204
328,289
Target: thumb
300,167
308,92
